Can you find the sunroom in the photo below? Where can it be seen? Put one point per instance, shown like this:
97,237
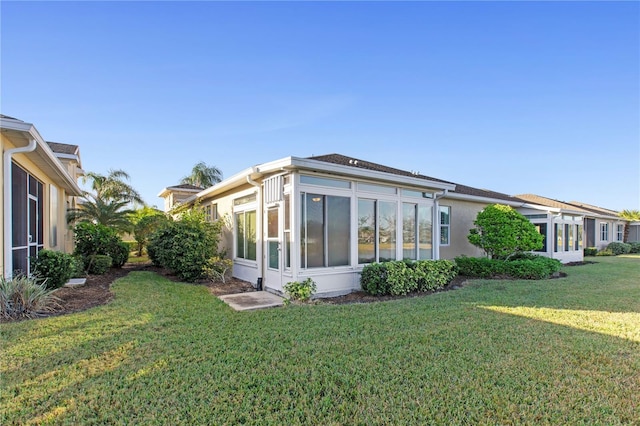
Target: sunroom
299,218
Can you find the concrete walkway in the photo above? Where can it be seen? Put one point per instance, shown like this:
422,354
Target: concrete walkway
76,282
252,300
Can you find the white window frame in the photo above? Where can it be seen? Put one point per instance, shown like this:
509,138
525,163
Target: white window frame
619,232
445,225
604,231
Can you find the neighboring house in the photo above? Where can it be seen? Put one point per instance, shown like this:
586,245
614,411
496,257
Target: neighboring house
326,217
39,182
634,232
602,226
560,223
177,194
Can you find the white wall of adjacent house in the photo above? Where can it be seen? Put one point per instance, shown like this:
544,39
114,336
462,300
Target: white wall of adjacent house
608,231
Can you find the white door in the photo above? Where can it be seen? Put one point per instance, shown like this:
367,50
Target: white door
273,249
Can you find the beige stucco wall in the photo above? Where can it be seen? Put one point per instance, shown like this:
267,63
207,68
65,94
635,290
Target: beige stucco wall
64,234
463,213
246,270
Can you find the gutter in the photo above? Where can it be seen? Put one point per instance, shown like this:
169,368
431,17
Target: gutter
8,205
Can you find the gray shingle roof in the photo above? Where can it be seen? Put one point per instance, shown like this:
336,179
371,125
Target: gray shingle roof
63,148
460,189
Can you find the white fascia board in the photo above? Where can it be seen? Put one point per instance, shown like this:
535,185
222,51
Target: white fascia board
322,166
478,199
296,163
44,151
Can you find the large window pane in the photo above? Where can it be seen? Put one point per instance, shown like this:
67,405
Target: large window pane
272,219
53,216
19,206
315,230
240,235
251,234
542,229
387,220
338,230
409,231
366,231
425,230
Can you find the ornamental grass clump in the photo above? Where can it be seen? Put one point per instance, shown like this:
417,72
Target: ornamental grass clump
24,297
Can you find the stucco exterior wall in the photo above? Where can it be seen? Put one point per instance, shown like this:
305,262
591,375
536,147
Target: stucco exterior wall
463,213
63,240
242,269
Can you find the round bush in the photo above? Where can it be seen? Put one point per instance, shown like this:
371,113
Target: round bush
619,248
53,267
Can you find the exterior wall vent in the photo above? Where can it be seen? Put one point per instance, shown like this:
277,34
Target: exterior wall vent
273,190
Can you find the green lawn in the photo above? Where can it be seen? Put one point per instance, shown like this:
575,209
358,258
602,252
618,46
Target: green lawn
564,351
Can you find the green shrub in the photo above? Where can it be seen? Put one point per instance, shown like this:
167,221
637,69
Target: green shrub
433,274
119,252
217,267
481,267
605,252
590,251
52,268
635,247
301,291
184,246
25,297
502,232
373,279
78,269
92,239
531,267
619,248
401,277
98,264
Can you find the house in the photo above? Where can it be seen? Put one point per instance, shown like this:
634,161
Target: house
326,217
602,226
39,184
177,194
561,224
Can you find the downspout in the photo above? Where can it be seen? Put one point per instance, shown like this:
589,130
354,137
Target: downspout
436,222
8,205
259,222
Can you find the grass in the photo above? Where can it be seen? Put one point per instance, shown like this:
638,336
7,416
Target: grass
134,258
564,351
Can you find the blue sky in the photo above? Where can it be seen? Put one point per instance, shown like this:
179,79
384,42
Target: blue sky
516,97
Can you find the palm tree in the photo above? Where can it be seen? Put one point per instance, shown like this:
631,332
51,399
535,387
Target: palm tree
113,186
100,211
203,176
629,216
107,204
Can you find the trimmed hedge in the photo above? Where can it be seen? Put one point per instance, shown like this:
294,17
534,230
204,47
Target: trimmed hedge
53,268
529,267
402,277
619,248
635,247
590,251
